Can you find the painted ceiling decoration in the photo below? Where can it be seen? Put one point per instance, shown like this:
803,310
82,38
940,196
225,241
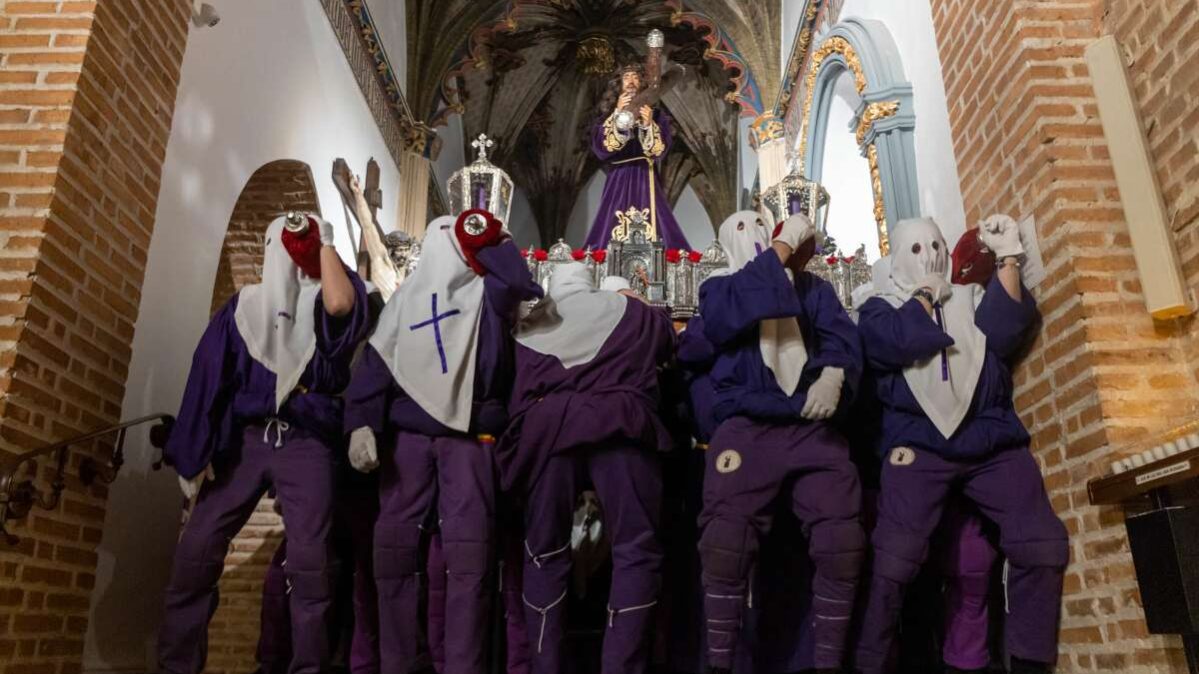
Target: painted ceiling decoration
531,73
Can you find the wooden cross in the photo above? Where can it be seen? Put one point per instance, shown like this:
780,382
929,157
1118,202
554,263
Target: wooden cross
482,144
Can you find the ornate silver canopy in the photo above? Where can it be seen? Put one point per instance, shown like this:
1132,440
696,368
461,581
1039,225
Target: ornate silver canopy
796,194
481,185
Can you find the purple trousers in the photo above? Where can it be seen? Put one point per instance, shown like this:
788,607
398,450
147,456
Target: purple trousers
628,481
967,559
1007,488
356,613
750,464
453,478
274,638
301,468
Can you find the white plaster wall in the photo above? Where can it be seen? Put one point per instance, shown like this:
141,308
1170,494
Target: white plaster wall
690,213
793,13
269,82
911,25
392,22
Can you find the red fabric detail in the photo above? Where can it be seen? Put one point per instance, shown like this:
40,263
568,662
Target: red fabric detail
778,229
972,262
473,243
305,248
599,256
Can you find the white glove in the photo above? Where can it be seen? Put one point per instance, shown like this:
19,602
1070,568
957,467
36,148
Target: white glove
824,395
1001,235
938,285
326,229
191,488
796,229
363,455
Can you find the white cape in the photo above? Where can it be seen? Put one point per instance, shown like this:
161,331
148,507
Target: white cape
276,318
575,320
744,236
946,400
428,333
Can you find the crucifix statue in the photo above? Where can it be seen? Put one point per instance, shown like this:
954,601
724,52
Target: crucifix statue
363,202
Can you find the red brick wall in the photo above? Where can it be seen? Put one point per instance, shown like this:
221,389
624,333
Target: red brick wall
1029,141
87,94
278,187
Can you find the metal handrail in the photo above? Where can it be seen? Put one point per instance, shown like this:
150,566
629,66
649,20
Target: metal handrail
19,495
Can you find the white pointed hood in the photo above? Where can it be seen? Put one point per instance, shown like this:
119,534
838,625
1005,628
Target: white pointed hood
744,236
276,318
944,384
575,320
428,333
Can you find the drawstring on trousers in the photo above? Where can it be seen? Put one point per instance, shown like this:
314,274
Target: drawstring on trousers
281,427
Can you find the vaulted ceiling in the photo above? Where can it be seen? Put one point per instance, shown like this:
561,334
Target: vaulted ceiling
531,74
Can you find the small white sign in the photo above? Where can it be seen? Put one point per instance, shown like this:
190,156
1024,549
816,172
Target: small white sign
1172,469
1033,269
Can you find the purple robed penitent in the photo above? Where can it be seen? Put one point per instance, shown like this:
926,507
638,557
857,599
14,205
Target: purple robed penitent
227,389
631,168
986,458
763,446
430,471
229,419
734,305
597,420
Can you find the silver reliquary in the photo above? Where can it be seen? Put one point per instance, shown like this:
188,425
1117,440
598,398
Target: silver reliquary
481,185
796,194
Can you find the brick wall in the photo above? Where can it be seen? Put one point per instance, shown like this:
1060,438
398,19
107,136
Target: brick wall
278,187
1029,141
87,94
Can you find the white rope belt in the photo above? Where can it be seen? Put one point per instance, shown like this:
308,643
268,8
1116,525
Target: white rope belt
544,612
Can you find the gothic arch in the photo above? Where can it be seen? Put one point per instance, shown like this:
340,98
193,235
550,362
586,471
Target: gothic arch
885,119
275,188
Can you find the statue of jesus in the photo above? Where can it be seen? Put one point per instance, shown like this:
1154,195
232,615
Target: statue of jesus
632,145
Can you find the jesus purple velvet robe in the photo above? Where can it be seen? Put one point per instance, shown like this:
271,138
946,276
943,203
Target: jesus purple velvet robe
633,170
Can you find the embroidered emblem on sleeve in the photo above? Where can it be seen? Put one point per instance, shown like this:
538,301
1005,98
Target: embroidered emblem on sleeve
903,456
613,138
728,461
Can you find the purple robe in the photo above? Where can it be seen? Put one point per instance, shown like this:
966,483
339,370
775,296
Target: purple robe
896,338
611,399
426,469
986,459
732,307
697,355
631,168
227,389
375,400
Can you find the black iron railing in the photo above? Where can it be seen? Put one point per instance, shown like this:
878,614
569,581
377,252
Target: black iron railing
19,492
